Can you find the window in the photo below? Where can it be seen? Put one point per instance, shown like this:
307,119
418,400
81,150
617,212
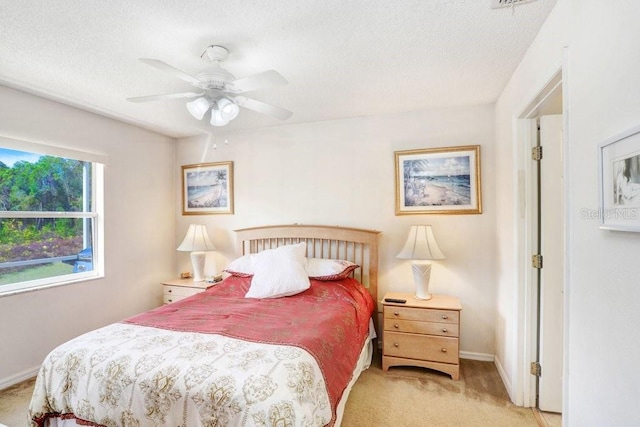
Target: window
50,216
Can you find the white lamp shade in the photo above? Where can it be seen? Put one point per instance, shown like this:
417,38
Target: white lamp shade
228,110
197,239
198,108
217,119
420,244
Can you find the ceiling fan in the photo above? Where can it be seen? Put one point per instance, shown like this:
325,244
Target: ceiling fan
219,91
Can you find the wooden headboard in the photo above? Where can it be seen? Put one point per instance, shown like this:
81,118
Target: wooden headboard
323,241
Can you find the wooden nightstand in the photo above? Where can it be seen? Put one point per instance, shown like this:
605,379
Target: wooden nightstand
175,290
422,333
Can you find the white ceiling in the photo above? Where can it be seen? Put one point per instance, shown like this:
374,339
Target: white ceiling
342,58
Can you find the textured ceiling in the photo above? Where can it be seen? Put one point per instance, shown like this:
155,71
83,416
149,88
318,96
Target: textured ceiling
342,58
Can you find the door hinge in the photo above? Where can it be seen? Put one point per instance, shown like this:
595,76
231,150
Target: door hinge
536,261
536,153
536,369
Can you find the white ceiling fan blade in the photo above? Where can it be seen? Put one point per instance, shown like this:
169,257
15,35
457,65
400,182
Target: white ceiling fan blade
257,81
165,96
171,70
261,107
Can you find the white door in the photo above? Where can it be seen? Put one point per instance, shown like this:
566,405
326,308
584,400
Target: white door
552,272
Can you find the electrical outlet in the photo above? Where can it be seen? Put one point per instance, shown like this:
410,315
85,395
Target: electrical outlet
497,4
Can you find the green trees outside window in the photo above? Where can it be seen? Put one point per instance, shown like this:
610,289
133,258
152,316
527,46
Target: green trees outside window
37,202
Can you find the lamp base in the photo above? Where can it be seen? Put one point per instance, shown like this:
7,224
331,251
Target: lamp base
421,275
197,262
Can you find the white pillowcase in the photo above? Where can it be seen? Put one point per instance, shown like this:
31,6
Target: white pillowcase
279,272
317,268
329,269
241,266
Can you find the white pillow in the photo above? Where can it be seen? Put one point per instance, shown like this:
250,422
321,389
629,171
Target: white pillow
317,268
240,267
279,272
329,269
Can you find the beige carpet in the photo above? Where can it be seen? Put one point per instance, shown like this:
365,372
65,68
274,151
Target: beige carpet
411,397
14,404
405,396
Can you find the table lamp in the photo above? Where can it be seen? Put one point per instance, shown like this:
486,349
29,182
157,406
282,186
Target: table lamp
421,246
197,242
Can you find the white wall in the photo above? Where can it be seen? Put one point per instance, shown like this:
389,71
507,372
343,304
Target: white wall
604,83
342,173
139,228
542,61
602,379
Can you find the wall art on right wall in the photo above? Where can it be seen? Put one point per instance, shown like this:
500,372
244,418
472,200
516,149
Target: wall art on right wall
620,182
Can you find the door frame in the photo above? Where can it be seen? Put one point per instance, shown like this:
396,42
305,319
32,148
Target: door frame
525,129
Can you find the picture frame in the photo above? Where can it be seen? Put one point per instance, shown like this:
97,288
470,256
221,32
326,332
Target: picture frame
619,182
438,181
207,188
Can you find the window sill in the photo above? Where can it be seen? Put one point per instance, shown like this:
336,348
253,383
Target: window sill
48,286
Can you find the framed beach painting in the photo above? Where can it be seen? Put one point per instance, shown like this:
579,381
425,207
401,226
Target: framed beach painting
207,188
620,182
438,181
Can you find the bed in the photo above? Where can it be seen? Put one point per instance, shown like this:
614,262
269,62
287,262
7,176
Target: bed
254,350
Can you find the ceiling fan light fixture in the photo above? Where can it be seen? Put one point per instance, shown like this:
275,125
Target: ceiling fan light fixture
228,109
198,107
217,119
218,91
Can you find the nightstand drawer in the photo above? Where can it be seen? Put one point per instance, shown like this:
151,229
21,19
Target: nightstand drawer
168,299
175,290
425,315
180,291
421,347
415,327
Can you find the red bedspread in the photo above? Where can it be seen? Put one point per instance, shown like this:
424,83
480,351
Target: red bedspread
330,320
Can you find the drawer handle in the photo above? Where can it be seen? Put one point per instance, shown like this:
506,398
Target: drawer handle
444,330
444,350
445,317
170,300
395,325
396,345
169,291
395,313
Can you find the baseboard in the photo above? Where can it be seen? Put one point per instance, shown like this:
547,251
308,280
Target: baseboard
483,357
19,377
505,379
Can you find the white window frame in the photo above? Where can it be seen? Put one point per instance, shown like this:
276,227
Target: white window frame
99,162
